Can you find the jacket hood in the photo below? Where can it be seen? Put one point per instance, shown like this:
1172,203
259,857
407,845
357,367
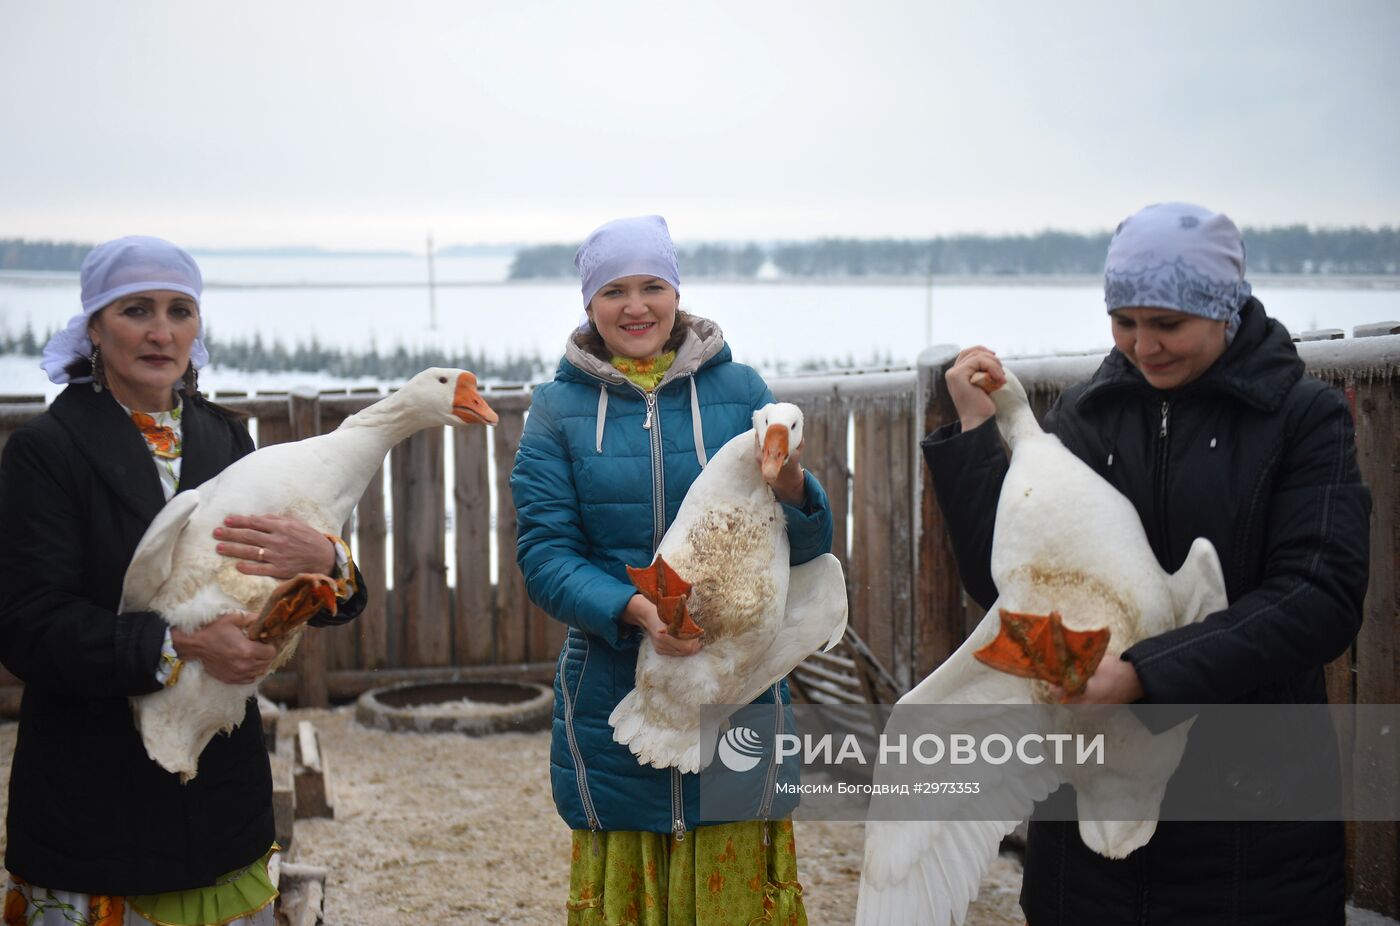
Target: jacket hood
704,345
1258,368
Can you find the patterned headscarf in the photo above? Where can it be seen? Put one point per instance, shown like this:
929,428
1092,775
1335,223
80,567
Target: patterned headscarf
624,248
135,264
1178,256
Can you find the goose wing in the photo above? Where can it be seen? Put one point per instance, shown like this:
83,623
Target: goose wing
154,558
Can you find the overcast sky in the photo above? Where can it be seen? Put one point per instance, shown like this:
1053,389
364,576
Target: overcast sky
364,124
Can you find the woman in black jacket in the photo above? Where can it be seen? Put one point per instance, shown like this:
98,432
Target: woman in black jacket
98,833
1202,416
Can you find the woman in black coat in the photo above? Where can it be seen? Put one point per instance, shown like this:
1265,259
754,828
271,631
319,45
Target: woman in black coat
1202,416
99,833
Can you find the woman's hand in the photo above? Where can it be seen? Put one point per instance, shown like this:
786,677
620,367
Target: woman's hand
224,650
275,546
1115,681
790,485
641,613
973,404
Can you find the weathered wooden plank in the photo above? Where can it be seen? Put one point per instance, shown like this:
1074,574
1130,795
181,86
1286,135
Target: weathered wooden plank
420,565
825,424
473,624
939,619
874,502
512,604
371,627
304,420
343,642
1376,872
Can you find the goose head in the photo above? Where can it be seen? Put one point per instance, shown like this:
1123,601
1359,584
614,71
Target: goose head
777,429
1015,419
443,396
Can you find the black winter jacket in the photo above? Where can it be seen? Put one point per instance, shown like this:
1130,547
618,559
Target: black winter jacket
89,811
1259,459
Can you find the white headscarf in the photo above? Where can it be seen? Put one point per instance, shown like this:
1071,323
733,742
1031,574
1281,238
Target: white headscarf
135,264
1181,257
624,248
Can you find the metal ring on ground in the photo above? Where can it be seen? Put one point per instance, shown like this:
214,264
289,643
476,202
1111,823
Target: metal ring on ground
476,708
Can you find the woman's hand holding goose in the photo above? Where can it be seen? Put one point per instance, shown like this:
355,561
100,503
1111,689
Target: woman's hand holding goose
972,402
225,652
641,613
274,546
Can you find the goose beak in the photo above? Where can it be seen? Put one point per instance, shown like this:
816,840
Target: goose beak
984,382
1040,646
467,403
775,452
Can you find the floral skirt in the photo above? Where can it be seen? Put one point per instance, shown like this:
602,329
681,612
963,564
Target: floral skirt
732,874
241,898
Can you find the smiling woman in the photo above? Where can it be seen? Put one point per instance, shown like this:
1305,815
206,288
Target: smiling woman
644,396
122,840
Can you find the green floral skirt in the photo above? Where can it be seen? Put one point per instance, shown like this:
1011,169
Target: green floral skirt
732,874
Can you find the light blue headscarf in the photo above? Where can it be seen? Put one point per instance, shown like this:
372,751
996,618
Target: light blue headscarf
624,248
1178,256
121,267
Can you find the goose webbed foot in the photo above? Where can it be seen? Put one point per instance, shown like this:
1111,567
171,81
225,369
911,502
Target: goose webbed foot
1040,646
292,604
664,587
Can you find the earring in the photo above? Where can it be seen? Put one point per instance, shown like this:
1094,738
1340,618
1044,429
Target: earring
99,373
190,380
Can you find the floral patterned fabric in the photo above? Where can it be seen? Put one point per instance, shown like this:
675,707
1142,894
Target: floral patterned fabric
647,372
723,875
240,898
163,436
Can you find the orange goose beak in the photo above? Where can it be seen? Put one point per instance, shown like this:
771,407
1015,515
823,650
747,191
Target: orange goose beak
775,452
467,403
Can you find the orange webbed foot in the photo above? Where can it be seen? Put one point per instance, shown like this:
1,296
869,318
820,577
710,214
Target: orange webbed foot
292,604
664,587
1040,646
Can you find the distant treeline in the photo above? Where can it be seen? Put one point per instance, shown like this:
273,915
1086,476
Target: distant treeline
19,254
1289,249
257,354
1286,249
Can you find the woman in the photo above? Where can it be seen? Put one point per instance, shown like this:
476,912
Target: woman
1202,416
98,833
644,394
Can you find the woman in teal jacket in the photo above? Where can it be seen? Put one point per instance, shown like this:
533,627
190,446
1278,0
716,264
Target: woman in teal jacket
643,396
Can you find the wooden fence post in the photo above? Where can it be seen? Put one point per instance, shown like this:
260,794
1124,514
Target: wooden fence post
420,542
304,415
512,604
473,629
938,610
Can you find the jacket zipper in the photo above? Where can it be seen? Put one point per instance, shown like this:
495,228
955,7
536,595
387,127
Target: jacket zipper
658,473
677,805
771,780
1163,435
652,423
580,774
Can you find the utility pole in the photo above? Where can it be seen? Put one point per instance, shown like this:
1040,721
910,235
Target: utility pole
432,288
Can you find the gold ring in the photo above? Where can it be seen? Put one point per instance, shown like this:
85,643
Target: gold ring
262,554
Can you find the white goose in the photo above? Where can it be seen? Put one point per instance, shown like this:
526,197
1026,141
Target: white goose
724,561
1067,546
177,573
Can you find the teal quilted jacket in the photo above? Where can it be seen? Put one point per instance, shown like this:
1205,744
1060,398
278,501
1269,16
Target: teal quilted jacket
594,490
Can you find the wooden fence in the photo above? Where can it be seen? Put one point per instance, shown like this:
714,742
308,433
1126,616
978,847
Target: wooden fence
862,433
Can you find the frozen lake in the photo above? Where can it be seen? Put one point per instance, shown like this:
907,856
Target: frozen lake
382,302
